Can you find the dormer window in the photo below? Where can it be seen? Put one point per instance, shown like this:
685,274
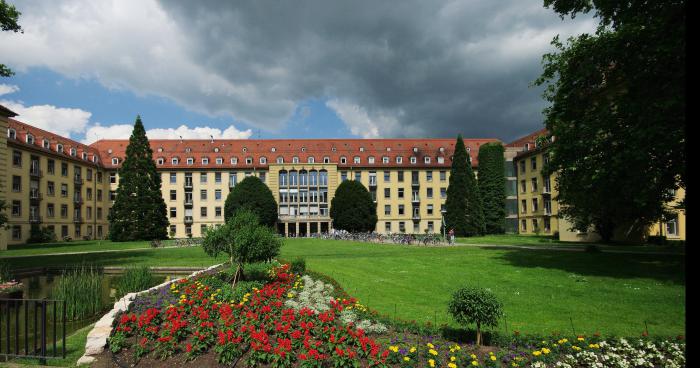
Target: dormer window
59,148
441,160
30,139
295,160
175,161
426,159
527,146
216,149
388,149
280,160
303,149
73,152
108,151
343,160
160,149
326,160
370,159
310,159
219,160
234,160
263,160
415,149
442,149
190,160
46,144
84,155
160,161
273,149
362,149
413,160
356,159
94,158
333,149
188,149
205,160
115,161
245,149
399,159
469,149
12,134
248,160
385,159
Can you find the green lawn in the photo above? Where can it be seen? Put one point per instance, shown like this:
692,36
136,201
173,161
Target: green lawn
541,290
75,348
75,246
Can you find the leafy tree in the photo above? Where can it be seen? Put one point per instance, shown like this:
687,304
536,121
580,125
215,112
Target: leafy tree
475,305
352,208
3,215
465,213
139,212
492,185
252,194
617,110
8,22
244,239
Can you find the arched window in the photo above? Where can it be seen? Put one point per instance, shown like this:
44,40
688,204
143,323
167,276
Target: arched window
30,139
12,134
59,148
310,159
280,159
175,161
46,144
73,152
263,160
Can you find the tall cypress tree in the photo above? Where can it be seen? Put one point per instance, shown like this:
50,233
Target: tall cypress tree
463,205
139,211
492,185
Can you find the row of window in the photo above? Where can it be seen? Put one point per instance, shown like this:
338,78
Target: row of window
533,163
17,232
46,144
415,210
35,167
401,227
203,195
188,229
303,149
533,185
51,211
295,160
203,212
34,192
400,175
535,206
546,225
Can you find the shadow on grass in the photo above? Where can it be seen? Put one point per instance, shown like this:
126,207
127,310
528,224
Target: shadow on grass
664,268
50,245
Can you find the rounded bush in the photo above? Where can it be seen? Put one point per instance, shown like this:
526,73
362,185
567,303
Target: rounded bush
352,208
472,305
253,195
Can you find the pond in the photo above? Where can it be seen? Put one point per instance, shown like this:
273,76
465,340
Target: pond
39,286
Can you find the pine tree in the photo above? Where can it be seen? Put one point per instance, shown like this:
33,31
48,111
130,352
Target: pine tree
463,205
139,211
492,185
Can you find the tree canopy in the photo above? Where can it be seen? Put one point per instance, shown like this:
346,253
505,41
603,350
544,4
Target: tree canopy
352,208
252,194
465,213
617,110
139,211
8,22
492,185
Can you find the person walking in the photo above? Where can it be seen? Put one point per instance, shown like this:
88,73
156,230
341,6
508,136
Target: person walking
452,236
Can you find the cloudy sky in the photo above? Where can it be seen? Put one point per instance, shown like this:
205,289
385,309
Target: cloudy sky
277,69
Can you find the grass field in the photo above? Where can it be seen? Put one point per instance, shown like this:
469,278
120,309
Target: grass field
75,348
74,246
541,290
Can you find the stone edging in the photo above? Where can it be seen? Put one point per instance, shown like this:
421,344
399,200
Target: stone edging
97,337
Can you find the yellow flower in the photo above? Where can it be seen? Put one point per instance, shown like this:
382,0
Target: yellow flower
290,295
493,357
580,339
457,347
536,353
431,362
413,349
405,359
395,349
475,363
452,359
433,352
452,365
430,345
473,356
546,351
594,346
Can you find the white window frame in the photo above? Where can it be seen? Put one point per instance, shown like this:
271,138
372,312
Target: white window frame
426,159
205,160
414,160
356,160
399,159
310,160
115,160
175,161
190,161
385,159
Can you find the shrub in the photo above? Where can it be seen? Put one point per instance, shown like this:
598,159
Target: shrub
82,290
134,279
5,274
298,266
475,305
253,195
352,208
41,235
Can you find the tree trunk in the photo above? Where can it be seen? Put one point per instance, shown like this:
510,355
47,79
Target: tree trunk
478,334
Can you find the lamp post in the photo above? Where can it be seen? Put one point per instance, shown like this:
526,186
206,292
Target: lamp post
444,226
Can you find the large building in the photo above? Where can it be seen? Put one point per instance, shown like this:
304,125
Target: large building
69,187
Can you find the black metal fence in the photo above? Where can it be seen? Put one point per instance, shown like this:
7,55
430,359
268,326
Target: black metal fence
29,328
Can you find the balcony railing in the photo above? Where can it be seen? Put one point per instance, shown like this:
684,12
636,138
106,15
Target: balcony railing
35,195
415,183
34,219
78,180
372,181
189,202
189,219
78,200
188,184
231,184
415,198
35,172
78,219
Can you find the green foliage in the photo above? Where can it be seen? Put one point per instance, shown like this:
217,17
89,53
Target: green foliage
8,22
5,273
82,290
492,187
617,110
298,266
464,208
472,305
134,279
253,195
139,211
41,235
243,238
3,215
352,208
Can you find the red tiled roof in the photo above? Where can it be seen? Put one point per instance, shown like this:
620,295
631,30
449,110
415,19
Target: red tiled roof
334,149
530,138
22,129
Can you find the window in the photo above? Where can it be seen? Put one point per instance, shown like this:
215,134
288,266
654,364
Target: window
400,173
400,193
263,160
205,160
12,134
175,161
16,208
99,194
414,160
426,159
203,211
534,184
370,159
535,225
523,206
190,161
443,175
219,160
387,226
50,188
51,166
217,211
443,193
112,195
401,209
429,176
387,210
202,229
356,159
523,225
16,183
385,159
30,139
343,176
160,161
441,160
203,194
88,174
343,160
173,178
387,176
64,211
99,177
399,159
358,176
234,160
430,209
115,161
326,160
522,166
173,212
672,226
16,232
248,160
387,193
429,193
217,194
217,177
173,230
533,163
99,214
402,226
535,205
523,186
17,158
203,178
113,178
173,195
50,210
88,193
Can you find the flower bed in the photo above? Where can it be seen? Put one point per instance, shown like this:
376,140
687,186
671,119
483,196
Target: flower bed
9,287
293,322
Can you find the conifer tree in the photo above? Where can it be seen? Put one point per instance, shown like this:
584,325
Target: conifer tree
139,211
492,185
463,205
352,208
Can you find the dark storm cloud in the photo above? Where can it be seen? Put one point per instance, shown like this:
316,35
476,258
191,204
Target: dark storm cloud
405,68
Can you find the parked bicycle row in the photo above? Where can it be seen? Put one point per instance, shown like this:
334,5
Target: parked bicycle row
375,237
